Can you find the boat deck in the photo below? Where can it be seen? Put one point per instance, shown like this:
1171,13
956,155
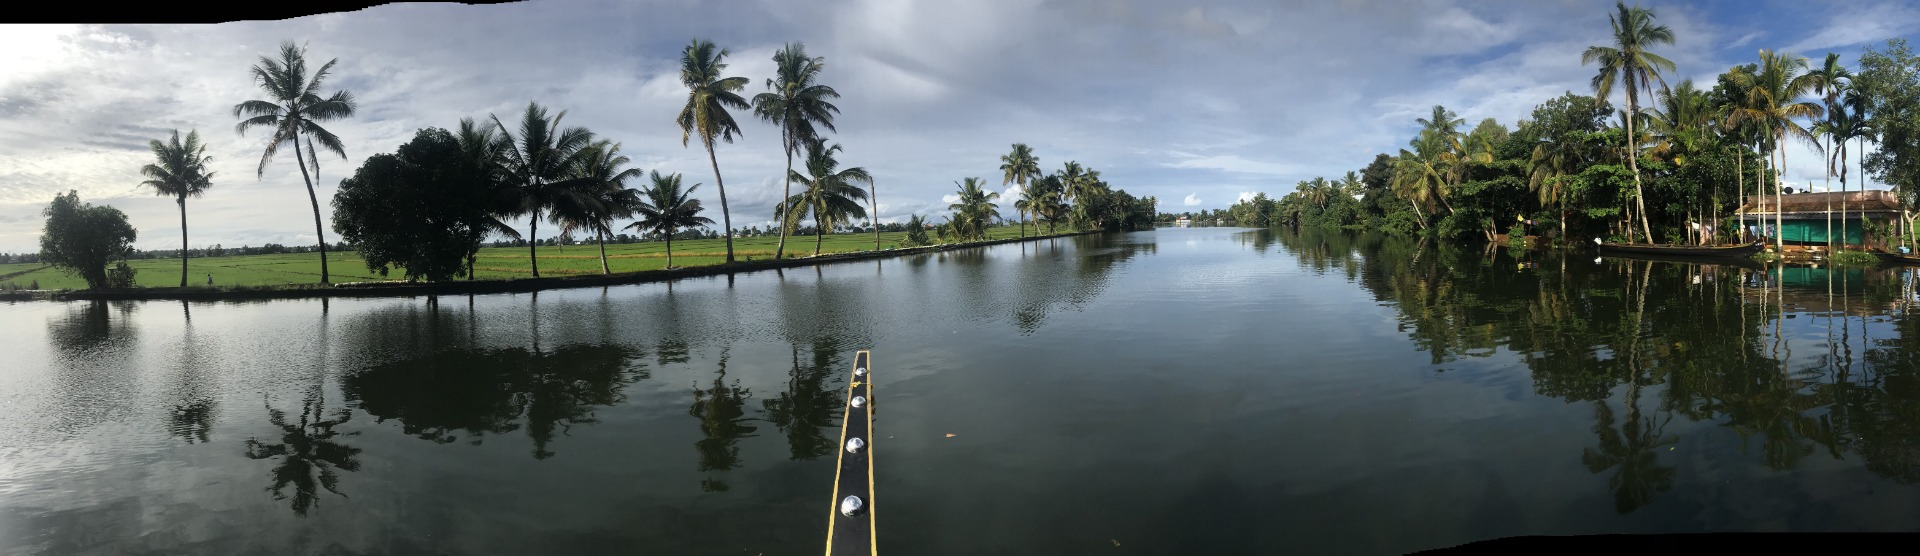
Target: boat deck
850,523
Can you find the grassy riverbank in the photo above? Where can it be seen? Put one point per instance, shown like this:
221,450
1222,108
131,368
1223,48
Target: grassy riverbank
298,272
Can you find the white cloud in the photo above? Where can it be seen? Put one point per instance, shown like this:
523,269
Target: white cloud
1157,96
1860,23
1245,196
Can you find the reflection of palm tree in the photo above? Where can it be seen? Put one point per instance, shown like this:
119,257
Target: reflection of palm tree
306,448
1630,449
722,414
806,409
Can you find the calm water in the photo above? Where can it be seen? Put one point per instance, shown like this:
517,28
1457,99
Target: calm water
1179,391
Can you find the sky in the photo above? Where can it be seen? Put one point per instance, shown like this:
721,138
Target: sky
1197,104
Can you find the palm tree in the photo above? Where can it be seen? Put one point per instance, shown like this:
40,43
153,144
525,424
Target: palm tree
1046,200
1683,122
1629,63
483,149
796,106
1422,176
1070,175
607,197
1846,122
830,195
1828,83
663,208
1443,122
708,98
541,166
294,111
974,210
1020,166
1734,96
179,171
1773,102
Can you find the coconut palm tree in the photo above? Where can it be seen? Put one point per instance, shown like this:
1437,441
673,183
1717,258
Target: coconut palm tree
1443,122
708,97
607,197
179,170
974,210
1733,96
796,104
831,196
663,208
1773,102
1046,200
541,166
483,148
1020,166
294,112
1828,82
1628,62
1846,122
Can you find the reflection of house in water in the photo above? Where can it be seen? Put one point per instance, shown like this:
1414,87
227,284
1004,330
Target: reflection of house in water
1824,291
1805,217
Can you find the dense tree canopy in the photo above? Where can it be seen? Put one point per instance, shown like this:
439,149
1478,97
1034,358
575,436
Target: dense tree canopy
417,208
84,238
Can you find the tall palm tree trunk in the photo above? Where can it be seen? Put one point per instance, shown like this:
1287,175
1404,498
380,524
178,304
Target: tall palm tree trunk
1843,218
318,232
183,240
873,199
821,234
1779,210
786,191
533,242
1740,181
726,217
603,251
669,247
1633,163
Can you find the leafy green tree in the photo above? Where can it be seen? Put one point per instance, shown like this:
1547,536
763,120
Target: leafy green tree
664,207
708,97
797,104
1628,62
542,167
415,208
84,238
179,170
1890,77
294,112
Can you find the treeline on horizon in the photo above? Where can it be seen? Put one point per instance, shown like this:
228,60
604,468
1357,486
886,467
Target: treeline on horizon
428,207
1563,173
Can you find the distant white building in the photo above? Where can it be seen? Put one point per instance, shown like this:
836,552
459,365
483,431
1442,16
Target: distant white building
1184,222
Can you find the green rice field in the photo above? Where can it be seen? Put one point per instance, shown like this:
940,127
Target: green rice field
492,263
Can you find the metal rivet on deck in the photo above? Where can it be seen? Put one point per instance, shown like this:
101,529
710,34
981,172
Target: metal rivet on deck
851,505
859,401
854,445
